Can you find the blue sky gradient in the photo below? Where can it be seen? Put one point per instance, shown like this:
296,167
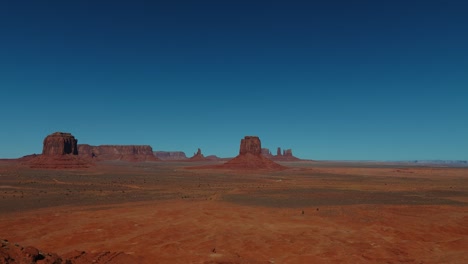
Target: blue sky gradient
360,80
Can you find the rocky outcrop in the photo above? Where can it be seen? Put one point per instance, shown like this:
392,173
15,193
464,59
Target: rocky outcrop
118,152
285,155
170,155
59,151
250,157
266,152
250,144
198,156
60,143
16,254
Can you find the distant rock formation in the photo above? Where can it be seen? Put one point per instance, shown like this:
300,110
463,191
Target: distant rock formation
287,152
213,157
198,156
266,152
170,155
14,253
250,157
286,155
59,151
60,143
118,152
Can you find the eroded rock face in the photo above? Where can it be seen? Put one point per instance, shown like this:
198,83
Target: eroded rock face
118,152
60,143
250,144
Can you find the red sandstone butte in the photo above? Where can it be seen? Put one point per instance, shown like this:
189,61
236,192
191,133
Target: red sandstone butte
60,143
250,158
59,151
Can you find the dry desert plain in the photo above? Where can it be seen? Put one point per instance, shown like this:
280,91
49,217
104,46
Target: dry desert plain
312,212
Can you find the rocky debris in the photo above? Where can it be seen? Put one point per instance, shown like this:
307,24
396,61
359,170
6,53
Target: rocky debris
16,254
60,143
198,156
59,151
118,152
170,155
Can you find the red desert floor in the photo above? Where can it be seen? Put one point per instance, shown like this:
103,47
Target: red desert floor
313,212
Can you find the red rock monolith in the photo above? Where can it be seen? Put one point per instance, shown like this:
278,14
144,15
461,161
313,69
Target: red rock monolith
250,144
250,158
198,156
60,143
59,151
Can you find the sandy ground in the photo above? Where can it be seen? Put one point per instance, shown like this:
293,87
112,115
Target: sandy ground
310,213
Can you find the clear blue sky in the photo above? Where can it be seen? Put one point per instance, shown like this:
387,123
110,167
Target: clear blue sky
380,80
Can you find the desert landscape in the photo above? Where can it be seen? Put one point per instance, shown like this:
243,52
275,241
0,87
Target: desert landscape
223,132
245,210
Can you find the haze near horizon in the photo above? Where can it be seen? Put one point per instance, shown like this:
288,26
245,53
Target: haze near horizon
332,81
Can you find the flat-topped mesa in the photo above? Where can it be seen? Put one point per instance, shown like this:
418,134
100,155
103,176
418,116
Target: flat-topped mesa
278,152
118,152
250,144
60,143
170,155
